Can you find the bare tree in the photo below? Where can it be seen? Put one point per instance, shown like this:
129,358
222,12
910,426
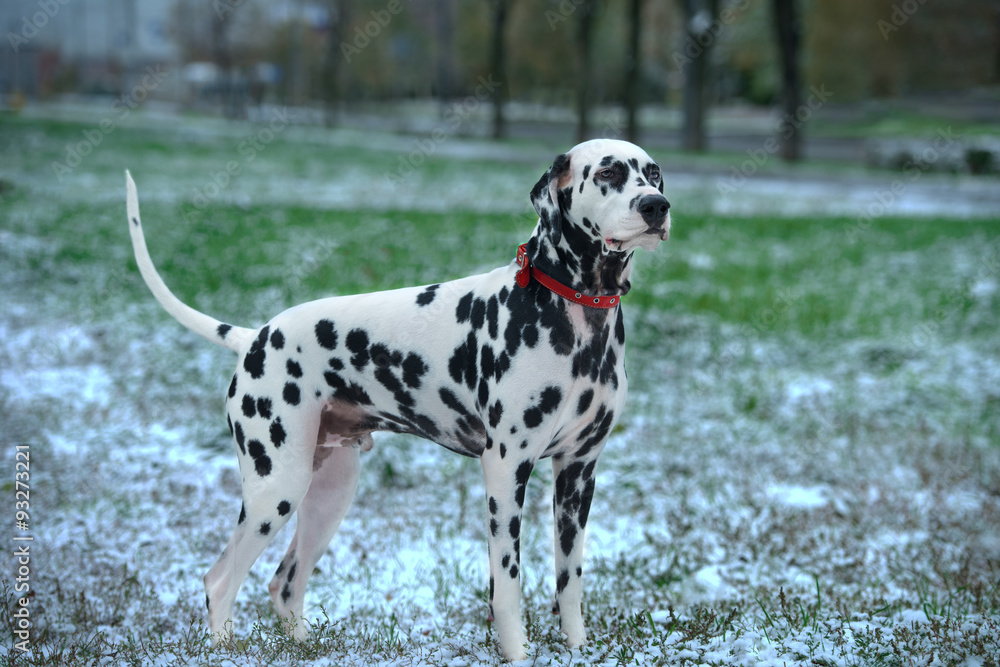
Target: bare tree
632,70
444,75
787,30
498,65
584,40
338,12
700,19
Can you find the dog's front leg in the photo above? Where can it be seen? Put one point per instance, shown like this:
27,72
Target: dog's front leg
572,495
506,480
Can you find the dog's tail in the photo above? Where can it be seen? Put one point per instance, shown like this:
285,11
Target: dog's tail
235,338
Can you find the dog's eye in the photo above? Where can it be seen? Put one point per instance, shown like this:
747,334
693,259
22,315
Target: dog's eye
606,173
654,175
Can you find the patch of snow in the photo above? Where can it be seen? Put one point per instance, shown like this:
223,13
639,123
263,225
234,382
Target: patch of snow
799,497
85,385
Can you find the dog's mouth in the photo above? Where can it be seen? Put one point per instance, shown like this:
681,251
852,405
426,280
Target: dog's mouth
660,231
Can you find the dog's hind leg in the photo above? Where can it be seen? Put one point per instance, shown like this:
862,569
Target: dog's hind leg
334,482
268,503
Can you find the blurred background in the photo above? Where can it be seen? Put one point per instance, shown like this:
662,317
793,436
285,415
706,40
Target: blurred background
668,73
808,470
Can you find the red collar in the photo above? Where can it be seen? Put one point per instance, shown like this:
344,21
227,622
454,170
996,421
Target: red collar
527,272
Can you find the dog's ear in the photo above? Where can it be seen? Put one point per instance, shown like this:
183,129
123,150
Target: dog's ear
545,196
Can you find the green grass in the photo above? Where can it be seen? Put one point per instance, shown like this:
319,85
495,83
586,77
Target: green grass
813,278
723,320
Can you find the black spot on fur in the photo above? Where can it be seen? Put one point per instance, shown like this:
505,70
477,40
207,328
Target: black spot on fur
277,433
478,315
495,413
464,308
277,339
232,387
286,593
513,571
293,368
427,295
223,329
264,407
567,537
238,432
524,472
515,527
462,365
249,407
326,334
253,362
284,507
291,393
562,581
413,369
265,528
585,400
493,316
493,505
550,399
261,461
243,514
357,342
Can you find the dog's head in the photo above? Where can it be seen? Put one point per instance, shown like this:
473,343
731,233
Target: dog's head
607,190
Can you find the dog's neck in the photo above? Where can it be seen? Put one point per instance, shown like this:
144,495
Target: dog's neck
580,261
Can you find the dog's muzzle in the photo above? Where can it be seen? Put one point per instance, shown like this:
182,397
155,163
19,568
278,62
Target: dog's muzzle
654,209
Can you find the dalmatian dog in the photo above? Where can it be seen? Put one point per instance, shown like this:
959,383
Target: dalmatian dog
523,363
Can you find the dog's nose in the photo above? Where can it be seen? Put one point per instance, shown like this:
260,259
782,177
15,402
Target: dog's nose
653,208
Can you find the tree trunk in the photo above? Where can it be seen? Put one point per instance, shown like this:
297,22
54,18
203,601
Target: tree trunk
786,25
223,60
444,75
498,65
338,12
585,10
702,25
632,70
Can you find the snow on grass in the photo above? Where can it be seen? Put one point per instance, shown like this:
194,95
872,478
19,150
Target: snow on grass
783,494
